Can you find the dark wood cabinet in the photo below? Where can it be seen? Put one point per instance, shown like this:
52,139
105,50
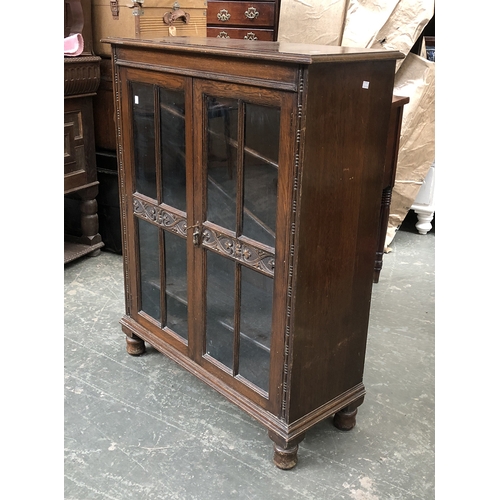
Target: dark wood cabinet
81,80
390,164
242,19
250,179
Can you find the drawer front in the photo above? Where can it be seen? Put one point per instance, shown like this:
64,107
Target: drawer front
241,13
266,35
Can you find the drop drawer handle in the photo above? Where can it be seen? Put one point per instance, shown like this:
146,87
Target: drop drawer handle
251,13
223,15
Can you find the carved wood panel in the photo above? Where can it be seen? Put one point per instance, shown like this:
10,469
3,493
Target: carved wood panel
74,154
161,217
237,249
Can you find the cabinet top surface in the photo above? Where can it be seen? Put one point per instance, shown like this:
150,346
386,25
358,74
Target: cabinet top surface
273,51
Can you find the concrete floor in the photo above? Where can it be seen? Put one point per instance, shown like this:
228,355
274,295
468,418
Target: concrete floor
144,428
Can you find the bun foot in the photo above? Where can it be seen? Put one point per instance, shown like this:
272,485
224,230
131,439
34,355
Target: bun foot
135,346
285,458
345,420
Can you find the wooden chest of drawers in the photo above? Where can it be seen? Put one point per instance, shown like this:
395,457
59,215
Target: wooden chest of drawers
243,19
147,19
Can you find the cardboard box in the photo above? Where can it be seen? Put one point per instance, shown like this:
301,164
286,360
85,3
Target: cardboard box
146,19
319,22
416,79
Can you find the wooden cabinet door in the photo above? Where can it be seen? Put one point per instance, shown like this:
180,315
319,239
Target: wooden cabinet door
241,149
208,182
158,186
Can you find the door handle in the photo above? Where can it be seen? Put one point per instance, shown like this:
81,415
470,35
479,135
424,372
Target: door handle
196,236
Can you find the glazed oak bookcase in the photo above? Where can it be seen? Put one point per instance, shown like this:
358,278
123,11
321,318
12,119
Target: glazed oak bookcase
250,187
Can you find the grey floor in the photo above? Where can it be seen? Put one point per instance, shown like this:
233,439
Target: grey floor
143,428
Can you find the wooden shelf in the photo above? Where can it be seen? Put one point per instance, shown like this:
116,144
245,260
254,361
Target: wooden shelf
73,251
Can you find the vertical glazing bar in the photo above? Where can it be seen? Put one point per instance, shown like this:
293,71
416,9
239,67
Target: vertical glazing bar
161,242
203,141
163,280
237,316
157,135
201,207
240,156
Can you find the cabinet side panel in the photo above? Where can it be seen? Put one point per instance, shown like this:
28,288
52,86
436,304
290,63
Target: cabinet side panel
347,115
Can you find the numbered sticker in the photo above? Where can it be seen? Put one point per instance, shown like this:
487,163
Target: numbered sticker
366,85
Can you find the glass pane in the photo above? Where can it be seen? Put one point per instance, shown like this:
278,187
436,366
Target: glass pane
221,161
220,308
255,327
149,268
176,279
262,130
261,173
144,138
173,148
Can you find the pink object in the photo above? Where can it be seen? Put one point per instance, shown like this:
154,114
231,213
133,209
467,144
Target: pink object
73,45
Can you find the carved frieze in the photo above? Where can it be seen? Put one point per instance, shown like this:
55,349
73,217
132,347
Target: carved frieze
81,75
233,247
217,241
167,220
